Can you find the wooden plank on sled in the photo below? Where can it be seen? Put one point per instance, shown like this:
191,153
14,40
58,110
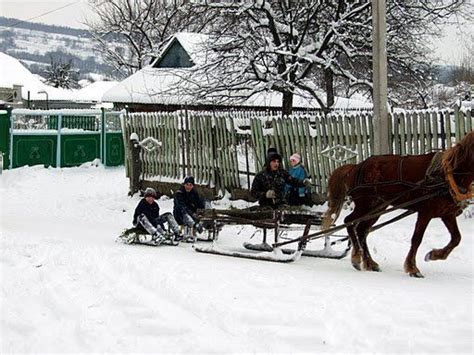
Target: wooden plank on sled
275,256
263,217
327,252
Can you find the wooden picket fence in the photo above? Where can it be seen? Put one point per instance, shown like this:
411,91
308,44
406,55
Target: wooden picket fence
223,150
201,144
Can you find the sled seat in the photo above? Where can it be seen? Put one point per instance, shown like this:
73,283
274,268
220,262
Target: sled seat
262,217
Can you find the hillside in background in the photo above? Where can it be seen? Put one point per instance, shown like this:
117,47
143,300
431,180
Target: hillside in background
35,44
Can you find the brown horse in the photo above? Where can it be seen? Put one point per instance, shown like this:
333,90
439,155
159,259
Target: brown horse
386,180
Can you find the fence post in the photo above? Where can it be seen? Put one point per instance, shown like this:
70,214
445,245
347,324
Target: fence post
5,125
135,166
246,163
442,131
187,133
58,146
103,140
459,123
184,141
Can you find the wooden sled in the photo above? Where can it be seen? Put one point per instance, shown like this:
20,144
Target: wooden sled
131,236
280,221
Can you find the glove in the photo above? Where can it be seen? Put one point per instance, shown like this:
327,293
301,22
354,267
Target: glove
270,194
307,182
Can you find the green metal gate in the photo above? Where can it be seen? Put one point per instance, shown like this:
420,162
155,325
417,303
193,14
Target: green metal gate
4,129
64,138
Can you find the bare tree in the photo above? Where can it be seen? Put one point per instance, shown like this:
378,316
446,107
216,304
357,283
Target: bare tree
129,33
296,47
61,74
277,45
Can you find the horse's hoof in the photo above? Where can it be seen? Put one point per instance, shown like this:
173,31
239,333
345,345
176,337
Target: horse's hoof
428,256
356,266
372,268
417,274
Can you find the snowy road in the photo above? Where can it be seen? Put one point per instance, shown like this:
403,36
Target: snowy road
67,286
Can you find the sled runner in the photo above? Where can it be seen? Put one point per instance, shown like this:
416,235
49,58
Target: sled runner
281,221
139,236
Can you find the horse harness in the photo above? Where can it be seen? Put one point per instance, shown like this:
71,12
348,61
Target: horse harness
437,179
433,177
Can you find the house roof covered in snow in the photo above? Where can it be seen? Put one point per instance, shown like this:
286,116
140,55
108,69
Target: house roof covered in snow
94,91
12,72
161,82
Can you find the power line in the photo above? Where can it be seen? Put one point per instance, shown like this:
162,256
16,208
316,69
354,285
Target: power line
43,14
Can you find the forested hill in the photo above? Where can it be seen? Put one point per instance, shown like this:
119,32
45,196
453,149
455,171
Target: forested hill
16,23
35,45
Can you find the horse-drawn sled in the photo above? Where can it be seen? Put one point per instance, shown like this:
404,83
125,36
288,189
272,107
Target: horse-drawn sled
434,185
288,220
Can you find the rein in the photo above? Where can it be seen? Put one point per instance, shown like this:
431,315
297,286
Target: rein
376,212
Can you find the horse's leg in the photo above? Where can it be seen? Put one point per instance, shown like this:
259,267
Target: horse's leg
356,250
452,226
362,232
410,261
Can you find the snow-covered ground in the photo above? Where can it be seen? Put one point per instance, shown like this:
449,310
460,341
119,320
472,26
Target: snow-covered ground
67,286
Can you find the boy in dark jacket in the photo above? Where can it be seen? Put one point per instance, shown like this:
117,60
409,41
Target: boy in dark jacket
186,203
147,217
268,185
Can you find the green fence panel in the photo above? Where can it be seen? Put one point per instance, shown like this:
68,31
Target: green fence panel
34,150
61,138
5,137
114,149
77,149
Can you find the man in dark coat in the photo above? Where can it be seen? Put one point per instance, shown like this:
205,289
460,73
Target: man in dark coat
147,217
268,185
186,203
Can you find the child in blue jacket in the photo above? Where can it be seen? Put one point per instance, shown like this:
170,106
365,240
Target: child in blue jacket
296,195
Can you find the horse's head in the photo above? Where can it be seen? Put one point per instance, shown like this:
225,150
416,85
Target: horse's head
458,166
460,158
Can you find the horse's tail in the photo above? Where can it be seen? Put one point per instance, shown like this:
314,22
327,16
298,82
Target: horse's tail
337,190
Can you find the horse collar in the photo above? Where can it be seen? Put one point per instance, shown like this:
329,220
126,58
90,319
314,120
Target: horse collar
457,195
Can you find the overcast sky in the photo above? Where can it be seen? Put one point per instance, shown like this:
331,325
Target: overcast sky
73,14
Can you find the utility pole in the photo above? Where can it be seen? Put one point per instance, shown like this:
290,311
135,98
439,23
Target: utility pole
379,66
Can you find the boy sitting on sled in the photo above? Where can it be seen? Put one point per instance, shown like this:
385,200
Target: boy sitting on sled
187,202
147,218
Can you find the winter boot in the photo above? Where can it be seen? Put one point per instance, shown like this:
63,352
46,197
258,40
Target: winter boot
145,238
198,227
129,238
158,238
178,237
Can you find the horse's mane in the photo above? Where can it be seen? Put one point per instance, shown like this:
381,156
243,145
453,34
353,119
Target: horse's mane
460,154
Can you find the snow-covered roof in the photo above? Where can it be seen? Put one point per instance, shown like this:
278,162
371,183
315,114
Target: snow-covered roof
149,85
161,86
12,72
165,86
94,91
